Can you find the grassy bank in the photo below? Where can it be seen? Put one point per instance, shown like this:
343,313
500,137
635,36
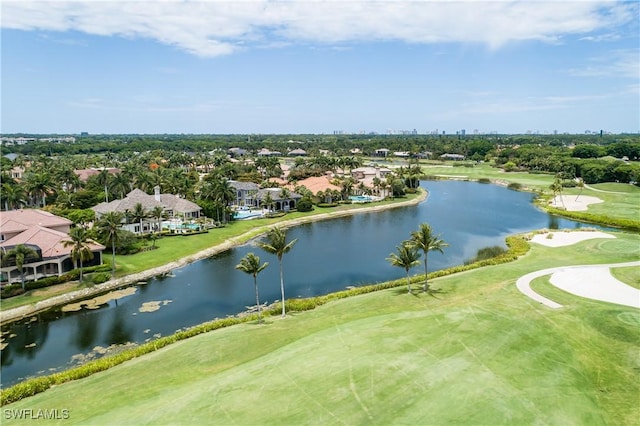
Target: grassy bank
477,351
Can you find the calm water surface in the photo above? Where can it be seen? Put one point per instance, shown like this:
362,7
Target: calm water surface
329,256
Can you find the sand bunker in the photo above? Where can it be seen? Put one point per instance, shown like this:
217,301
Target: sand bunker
596,283
559,239
571,204
96,302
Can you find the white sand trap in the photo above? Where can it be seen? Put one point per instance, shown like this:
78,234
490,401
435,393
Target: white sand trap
560,239
596,282
571,204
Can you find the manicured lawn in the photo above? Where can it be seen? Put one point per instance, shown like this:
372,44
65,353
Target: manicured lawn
629,276
476,352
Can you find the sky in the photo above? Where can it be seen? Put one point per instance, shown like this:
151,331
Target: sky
294,67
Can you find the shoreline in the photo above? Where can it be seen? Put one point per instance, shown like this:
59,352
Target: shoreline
21,312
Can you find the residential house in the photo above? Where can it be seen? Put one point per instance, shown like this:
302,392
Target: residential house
298,152
264,152
46,234
84,174
455,157
173,206
249,194
382,152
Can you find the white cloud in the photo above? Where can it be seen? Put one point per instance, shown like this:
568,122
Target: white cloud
212,28
616,63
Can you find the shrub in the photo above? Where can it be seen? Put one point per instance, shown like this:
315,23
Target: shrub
484,180
101,277
305,205
11,290
487,253
515,186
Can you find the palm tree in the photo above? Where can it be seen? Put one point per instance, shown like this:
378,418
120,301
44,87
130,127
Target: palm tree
406,257
80,249
250,264
277,244
20,253
13,195
423,239
110,224
103,178
120,185
158,214
579,184
139,214
38,186
556,187
268,201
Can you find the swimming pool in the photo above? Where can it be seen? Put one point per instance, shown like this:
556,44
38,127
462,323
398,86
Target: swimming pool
247,214
361,199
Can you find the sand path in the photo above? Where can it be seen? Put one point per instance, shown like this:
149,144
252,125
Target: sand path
590,281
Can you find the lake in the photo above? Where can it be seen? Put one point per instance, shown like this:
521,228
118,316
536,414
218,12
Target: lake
329,256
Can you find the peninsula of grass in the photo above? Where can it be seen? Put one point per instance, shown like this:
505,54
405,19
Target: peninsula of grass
476,351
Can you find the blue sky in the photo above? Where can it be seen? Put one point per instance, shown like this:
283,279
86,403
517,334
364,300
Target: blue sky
319,66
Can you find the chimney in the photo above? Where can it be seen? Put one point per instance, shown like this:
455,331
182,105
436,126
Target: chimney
156,193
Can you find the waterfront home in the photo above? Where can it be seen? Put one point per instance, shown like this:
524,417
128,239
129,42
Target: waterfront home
45,233
249,194
173,206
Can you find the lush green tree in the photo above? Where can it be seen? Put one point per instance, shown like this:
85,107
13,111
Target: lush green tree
588,151
424,239
406,256
80,248
109,224
276,243
250,264
20,253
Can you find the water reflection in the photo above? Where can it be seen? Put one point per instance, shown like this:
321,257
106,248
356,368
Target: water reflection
329,256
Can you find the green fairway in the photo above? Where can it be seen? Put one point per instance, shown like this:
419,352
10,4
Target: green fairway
475,352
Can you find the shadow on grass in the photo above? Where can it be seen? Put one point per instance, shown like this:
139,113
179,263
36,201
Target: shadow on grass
416,292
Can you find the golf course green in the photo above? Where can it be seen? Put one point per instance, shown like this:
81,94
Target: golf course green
475,351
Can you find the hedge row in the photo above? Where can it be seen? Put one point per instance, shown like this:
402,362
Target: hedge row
517,245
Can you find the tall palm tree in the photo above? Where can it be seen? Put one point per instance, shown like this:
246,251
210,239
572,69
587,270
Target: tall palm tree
579,184
406,257
423,239
277,244
139,214
38,185
20,253
103,178
13,195
109,224
158,214
120,185
250,264
80,249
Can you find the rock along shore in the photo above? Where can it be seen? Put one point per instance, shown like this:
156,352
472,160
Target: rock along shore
21,312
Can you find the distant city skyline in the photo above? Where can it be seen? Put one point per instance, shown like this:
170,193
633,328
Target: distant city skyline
275,67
